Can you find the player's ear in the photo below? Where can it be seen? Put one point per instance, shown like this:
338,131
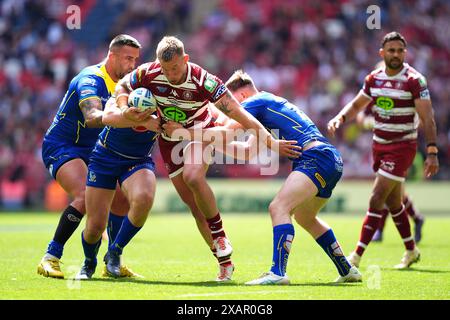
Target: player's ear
381,52
186,57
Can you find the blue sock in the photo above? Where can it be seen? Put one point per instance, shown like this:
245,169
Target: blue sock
114,224
90,251
283,235
332,248
55,249
126,233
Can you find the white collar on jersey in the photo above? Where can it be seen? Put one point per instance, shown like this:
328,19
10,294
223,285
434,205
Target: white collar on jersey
398,75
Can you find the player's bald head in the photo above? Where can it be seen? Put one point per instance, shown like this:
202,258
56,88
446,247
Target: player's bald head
168,48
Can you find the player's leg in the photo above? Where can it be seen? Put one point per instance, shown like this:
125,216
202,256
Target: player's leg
297,189
414,214
383,186
378,235
226,266
400,217
72,177
119,209
139,188
194,175
98,204
306,215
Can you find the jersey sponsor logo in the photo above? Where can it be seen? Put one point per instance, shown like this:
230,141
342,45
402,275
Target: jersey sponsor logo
320,179
210,84
174,93
423,82
219,92
385,103
175,114
388,84
89,82
425,94
86,92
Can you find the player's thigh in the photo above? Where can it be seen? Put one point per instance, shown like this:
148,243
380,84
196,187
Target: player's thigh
297,189
196,161
72,177
394,199
140,187
382,188
120,205
98,204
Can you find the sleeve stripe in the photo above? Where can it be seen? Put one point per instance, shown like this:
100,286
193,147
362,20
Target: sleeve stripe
87,98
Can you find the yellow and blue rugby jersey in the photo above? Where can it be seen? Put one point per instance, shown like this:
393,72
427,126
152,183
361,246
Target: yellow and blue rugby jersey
68,125
283,119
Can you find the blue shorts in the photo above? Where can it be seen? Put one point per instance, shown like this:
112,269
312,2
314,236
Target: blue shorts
107,167
55,154
323,165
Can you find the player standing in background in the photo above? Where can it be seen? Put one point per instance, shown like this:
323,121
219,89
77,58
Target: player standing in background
183,91
122,155
70,139
365,120
307,188
401,98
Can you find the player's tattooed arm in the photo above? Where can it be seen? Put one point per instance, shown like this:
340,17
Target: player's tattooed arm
92,112
224,103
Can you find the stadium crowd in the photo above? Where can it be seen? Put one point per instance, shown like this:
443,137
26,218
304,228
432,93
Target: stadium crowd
314,53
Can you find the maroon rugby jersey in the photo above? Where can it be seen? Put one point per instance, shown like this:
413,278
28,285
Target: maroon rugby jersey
393,98
186,103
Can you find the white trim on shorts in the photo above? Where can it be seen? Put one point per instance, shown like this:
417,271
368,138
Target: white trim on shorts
390,175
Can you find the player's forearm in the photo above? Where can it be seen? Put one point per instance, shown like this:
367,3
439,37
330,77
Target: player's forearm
94,121
91,108
429,127
121,93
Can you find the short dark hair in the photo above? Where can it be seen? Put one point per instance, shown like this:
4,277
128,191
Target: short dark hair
124,40
393,36
238,80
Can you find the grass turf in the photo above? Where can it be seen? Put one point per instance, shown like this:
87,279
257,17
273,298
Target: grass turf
177,264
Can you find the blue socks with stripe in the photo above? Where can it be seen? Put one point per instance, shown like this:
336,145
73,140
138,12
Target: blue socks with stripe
332,248
283,235
126,233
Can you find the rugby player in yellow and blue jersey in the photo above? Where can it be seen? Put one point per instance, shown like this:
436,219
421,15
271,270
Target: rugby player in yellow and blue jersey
307,188
71,137
122,155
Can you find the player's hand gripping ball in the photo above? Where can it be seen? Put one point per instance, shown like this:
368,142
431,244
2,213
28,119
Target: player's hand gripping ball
142,99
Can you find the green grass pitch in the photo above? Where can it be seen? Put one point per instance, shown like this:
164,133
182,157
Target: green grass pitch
177,264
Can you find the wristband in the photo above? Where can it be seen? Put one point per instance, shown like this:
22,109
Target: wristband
432,154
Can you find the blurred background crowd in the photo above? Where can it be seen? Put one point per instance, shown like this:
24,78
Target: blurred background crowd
315,53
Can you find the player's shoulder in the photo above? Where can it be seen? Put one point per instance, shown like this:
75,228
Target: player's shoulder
197,73
374,73
414,76
149,69
89,76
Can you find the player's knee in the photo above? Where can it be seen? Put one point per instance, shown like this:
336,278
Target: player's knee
79,202
142,201
193,179
377,199
94,229
277,208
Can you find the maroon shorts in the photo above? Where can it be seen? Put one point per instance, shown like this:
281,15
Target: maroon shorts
172,153
393,160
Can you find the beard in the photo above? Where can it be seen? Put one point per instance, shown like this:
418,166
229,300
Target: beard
394,64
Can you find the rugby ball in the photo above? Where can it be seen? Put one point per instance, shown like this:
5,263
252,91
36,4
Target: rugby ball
142,99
